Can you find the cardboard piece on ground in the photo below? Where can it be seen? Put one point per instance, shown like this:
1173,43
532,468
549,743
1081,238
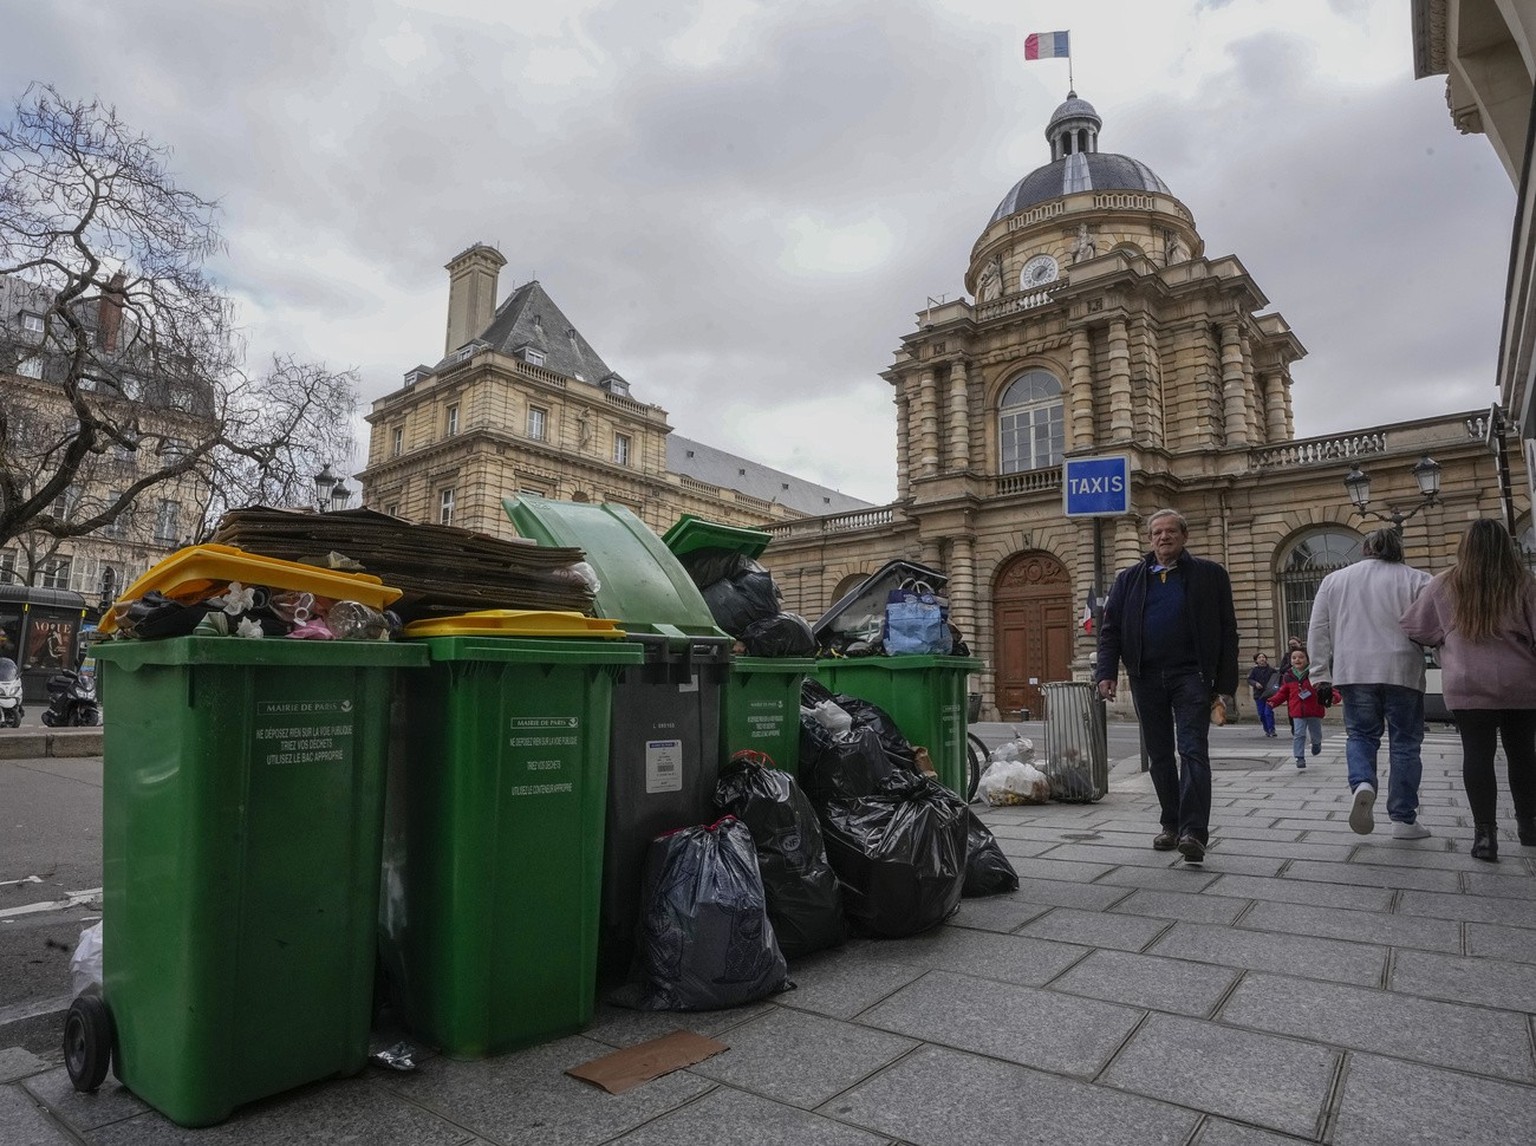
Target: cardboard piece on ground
628,1068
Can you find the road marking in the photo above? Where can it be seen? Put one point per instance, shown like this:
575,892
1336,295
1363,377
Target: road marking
76,899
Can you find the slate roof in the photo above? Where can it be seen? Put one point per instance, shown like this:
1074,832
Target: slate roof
707,464
1081,171
529,317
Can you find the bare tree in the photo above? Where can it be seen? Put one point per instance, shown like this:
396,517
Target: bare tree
125,368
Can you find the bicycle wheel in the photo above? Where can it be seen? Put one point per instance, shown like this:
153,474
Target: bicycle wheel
976,760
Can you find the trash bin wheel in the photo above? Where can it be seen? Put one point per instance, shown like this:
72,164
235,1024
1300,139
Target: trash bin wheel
87,1041
976,763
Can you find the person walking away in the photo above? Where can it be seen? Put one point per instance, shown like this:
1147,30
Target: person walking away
1258,680
1358,645
1481,615
1307,706
1170,620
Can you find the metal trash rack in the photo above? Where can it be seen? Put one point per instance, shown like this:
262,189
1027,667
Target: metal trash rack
1076,741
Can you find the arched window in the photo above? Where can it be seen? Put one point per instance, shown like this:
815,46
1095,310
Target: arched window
1310,558
1029,423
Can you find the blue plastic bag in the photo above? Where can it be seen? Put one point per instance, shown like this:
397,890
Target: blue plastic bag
916,621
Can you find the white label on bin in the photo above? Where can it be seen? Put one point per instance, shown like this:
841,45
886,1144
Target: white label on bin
545,731
304,732
691,686
663,766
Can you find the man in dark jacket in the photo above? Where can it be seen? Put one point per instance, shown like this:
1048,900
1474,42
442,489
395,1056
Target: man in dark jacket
1170,620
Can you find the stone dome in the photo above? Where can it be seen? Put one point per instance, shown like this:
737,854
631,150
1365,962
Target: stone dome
1076,163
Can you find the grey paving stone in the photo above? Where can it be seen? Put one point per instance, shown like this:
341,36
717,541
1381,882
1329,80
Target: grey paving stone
1249,829
1031,1027
1495,941
1385,1022
1365,926
1278,1083
349,1110
525,1099
1375,875
842,982
1220,1132
1016,849
1492,982
1095,929
1185,877
24,1123
1509,883
1262,951
1011,958
1069,893
113,1102
1325,852
1059,869
1142,856
726,1115
1204,907
1296,891
997,912
1218,861
1473,908
18,1062
1333,825
801,1059
941,1097
1387,1102
1428,854
622,1027
1174,985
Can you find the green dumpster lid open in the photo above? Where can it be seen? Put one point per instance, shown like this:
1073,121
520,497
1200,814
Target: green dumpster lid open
690,534
643,586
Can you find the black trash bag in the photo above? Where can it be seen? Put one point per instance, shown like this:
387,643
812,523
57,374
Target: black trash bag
736,602
704,940
154,615
706,566
987,870
781,635
867,714
900,855
805,905
841,765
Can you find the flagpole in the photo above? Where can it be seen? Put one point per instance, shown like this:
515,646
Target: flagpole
1071,86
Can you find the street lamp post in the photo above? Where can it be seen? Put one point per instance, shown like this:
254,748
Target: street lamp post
1358,484
331,491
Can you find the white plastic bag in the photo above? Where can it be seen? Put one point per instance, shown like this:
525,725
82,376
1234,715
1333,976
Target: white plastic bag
1021,748
1013,782
85,963
830,716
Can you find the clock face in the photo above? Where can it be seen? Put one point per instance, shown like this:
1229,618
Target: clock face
1038,271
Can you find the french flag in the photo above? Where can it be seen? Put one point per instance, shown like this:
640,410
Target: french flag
1046,46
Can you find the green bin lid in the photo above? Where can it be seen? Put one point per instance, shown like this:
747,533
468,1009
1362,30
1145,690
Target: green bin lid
690,534
644,588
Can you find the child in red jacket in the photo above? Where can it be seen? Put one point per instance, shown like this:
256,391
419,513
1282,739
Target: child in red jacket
1305,706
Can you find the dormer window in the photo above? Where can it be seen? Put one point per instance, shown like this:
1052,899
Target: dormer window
532,355
32,323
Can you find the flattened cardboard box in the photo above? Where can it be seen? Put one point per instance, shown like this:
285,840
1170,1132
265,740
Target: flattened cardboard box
628,1068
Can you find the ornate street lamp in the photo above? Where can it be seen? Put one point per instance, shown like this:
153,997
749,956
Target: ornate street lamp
325,483
1357,484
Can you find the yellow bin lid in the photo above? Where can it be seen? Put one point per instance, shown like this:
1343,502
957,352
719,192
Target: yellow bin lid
517,623
193,573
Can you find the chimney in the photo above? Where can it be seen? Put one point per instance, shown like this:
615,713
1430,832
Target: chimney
109,313
471,293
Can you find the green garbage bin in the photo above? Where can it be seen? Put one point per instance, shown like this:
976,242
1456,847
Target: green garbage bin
493,842
242,808
760,707
665,738
926,697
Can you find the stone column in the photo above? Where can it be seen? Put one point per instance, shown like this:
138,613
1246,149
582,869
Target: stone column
1121,426
962,584
1251,400
903,441
1234,410
1082,390
932,553
1274,406
1128,545
1290,419
928,424
959,418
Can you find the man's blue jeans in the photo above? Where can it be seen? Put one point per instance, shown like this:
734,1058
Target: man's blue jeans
1174,708
1367,709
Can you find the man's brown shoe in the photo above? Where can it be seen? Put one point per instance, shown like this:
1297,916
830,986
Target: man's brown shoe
1191,849
1164,841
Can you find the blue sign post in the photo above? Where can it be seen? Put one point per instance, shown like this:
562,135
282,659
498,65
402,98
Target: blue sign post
1096,487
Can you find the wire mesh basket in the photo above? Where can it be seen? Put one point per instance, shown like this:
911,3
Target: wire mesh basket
1076,742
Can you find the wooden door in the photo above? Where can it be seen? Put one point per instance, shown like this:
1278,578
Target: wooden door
1032,617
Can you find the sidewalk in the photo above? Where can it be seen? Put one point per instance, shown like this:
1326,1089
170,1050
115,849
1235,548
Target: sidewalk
1305,984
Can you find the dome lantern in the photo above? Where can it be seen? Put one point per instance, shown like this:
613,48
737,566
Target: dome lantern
1074,128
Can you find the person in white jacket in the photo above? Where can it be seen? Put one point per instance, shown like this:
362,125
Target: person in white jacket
1357,645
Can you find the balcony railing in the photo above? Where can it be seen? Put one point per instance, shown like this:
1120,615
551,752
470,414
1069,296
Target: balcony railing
837,523
1013,304
1030,481
1315,451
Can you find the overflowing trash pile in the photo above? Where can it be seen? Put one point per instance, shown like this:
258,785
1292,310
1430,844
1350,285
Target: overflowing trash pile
745,602
898,610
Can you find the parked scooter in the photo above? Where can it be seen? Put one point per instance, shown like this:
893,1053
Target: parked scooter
72,700
11,711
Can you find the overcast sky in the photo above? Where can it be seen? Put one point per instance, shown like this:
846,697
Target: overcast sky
742,205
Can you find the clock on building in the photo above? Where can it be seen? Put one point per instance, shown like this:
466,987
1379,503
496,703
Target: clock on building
1038,271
